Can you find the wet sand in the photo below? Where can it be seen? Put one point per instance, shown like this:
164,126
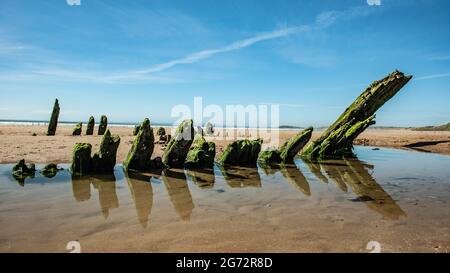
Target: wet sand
17,141
397,198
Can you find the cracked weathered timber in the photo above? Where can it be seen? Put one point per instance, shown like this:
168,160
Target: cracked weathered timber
51,131
178,147
288,151
104,160
337,140
90,126
103,125
139,156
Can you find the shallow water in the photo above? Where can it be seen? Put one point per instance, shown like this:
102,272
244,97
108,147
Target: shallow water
397,198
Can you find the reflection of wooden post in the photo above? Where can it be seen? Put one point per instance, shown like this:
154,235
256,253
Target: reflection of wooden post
106,186
81,188
241,177
142,193
338,139
354,173
180,196
204,179
296,178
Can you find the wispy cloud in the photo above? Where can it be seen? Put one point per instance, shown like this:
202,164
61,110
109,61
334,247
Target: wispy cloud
434,76
440,58
323,20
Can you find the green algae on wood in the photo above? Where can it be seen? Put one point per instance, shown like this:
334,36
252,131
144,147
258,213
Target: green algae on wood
288,151
103,125
161,131
77,130
90,126
241,153
50,170
81,159
178,147
21,171
139,156
293,146
337,140
104,160
51,131
201,153
269,157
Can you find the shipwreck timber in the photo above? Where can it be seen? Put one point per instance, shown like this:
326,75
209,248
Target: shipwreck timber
337,140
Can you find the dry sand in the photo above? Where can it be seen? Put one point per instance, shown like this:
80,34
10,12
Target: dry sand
17,141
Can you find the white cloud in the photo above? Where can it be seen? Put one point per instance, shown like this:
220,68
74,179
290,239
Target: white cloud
434,76
323,20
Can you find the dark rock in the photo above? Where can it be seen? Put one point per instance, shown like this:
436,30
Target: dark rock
51,131
178,147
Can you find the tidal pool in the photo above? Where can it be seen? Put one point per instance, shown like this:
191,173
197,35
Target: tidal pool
399,199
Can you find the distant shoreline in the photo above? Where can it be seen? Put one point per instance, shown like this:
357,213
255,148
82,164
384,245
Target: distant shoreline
132,124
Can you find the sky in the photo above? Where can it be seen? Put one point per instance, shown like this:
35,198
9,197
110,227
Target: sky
135,59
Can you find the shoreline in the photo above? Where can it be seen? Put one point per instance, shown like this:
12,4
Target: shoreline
17,141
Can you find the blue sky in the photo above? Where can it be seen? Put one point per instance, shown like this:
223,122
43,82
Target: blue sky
136,59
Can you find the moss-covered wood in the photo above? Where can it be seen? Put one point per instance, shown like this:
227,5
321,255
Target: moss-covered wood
81,159
337,140
136,130
21,171
201,153
288,151
50,170
139,156
103,125
161,131
51,131
77,130
241,153
178,147
104,160
90,126
209,129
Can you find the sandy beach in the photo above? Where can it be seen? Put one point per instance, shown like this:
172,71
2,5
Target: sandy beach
17,141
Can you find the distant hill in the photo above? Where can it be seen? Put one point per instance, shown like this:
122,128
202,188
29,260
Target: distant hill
445,127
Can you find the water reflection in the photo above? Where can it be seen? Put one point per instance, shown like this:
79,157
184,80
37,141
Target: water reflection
178,190
348,175
204,179
356,174
241,177
142,193
296,178
106,186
